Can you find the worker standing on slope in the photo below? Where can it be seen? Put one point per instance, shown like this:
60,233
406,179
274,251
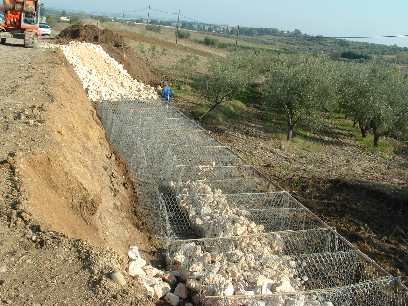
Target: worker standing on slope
167,92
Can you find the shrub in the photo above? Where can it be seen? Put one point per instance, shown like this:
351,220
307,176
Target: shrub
354,55
209,41
184,34
153,28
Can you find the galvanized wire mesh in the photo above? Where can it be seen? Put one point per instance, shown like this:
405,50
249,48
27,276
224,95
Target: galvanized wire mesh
166,151
273,218
381,292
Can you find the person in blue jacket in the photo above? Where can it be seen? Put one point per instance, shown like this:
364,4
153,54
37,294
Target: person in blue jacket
167,92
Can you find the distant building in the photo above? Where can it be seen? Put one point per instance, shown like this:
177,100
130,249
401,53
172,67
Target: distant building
65,19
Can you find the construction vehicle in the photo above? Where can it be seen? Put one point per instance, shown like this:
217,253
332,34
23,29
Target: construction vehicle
21,21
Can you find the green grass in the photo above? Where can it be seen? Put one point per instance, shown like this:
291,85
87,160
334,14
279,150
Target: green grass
385,146
223,114
306,145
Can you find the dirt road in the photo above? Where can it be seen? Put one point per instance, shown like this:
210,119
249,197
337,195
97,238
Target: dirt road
59,175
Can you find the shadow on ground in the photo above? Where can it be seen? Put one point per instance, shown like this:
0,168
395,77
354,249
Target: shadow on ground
373,216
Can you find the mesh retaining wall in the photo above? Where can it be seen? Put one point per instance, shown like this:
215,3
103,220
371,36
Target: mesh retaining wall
165,151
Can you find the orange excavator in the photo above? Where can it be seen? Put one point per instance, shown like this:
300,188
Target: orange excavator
21,21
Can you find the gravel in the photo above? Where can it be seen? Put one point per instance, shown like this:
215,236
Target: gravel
102,77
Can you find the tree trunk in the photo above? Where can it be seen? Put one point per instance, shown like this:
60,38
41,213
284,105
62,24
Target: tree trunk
376,139
363,132
377,134
290,132
209,111
363,129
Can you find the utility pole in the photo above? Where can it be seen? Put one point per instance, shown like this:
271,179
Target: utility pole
237,38
99,31
177,28
148,15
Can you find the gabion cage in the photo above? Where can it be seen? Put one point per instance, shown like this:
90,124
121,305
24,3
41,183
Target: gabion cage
166,151
384,291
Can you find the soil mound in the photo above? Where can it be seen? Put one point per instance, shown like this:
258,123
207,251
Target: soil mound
91,33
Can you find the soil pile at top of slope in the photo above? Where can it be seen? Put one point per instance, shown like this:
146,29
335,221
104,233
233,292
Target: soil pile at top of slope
115,44
90,33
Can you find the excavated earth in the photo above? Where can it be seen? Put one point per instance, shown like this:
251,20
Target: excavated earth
68,212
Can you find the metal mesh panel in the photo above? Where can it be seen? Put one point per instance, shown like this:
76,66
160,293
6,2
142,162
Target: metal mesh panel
165,152
318,240
373,293
264,200
273,218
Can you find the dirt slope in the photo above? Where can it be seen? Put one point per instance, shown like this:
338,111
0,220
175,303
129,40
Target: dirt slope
76,186
59,175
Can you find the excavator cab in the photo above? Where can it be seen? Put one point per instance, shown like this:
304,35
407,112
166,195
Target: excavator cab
21,20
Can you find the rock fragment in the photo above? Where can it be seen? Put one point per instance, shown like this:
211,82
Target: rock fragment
161,290
118,278
172,299
133,253
181,291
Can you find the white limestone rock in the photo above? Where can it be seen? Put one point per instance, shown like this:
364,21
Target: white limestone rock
133,253
152,271
138,262
136,268
161,289
103,78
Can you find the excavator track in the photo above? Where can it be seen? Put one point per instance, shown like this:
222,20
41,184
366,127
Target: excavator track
29,39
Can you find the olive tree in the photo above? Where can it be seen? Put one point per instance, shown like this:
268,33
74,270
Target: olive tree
355,93
374,95
298,86
225,79
388,109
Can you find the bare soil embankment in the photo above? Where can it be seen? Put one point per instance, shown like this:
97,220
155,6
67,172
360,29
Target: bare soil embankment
68,212
76,185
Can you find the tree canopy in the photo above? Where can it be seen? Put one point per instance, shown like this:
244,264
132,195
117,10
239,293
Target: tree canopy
225,79
297,86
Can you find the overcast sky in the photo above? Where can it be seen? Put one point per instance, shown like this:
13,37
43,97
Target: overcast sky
325,17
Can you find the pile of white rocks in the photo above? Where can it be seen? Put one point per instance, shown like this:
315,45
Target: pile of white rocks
159,285
211,214
103,78
247,265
